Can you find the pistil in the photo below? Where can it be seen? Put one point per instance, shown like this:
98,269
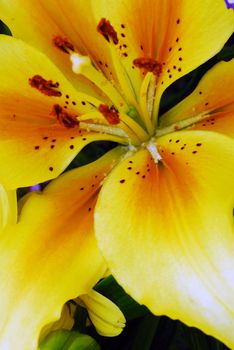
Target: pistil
82,65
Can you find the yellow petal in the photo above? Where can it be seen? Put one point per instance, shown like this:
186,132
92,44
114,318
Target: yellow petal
166,229
34,145
51,255
8,208
222,122
213,95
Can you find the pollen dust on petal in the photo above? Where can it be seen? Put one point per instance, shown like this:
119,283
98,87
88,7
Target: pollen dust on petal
148,64
63,44
64,118
106,29
110,114
46,87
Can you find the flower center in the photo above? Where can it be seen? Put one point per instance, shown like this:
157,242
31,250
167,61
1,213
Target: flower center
136,117
123,112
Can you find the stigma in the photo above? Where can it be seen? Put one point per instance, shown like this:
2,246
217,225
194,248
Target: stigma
79,62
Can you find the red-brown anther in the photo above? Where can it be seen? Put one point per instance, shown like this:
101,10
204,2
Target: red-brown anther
64,118
63,44
149,65
110,113
105,28
46,87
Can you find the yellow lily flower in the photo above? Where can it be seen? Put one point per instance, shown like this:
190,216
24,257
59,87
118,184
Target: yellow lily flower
163,218
39,119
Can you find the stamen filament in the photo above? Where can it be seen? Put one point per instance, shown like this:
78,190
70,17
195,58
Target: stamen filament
133,138
157,99
94,121
103,129
132,130
182,124
91,101
146,109
151,95
122,76
121,136
134,126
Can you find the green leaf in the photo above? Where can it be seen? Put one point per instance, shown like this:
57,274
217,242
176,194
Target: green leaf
198,340
145,333
80,319
4,29
112,290
195,338
90,153
68,340
226,54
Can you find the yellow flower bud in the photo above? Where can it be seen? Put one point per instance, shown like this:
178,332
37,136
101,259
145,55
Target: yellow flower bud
106,317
